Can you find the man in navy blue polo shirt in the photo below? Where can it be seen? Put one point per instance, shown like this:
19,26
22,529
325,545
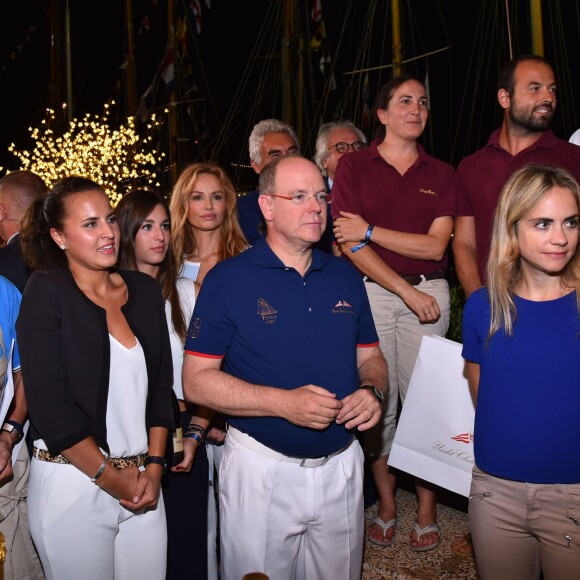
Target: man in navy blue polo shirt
302,371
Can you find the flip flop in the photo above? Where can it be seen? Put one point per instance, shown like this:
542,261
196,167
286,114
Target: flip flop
466,545
420,532
385,526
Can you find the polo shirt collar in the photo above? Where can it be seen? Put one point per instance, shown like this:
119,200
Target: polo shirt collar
264,256
373,151
547,140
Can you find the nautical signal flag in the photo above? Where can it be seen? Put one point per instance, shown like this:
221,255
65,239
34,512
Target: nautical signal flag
195,11
168,68
319,36
317,11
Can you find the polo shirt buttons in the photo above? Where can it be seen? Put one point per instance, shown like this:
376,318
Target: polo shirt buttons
309,309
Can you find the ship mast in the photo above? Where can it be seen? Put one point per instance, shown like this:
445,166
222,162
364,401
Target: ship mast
130,71
172,113
397,47
537,28
287,50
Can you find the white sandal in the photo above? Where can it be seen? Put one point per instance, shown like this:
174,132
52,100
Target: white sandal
385,526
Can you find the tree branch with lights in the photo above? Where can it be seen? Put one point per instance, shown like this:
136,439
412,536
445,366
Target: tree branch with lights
118,159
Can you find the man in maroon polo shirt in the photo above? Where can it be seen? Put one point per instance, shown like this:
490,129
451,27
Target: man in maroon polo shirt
527,94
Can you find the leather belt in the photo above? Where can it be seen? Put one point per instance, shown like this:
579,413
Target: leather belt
118,462
247,441
416,279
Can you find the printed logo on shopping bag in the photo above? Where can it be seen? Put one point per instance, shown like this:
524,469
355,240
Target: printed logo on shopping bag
463,438
454,452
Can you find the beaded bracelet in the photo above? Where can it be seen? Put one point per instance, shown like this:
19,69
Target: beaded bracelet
194,428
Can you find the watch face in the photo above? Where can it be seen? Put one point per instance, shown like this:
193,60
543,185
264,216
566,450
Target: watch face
13,431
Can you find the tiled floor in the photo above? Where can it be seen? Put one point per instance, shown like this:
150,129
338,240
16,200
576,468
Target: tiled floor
400,563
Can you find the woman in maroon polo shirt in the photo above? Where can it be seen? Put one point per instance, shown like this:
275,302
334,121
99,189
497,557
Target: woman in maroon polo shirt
393,209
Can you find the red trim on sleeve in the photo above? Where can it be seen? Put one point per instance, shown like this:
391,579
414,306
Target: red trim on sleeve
205,355
367,345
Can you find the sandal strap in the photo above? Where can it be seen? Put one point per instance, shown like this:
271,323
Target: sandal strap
384,525
428,528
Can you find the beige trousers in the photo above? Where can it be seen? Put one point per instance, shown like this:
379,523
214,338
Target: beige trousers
22,561
400,334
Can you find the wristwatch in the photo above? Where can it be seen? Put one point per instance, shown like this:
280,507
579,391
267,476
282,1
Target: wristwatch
158,460
15,429
376,392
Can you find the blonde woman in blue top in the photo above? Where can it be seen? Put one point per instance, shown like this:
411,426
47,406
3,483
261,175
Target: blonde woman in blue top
522,346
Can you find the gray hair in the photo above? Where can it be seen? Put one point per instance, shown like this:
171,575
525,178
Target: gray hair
321,153
264,128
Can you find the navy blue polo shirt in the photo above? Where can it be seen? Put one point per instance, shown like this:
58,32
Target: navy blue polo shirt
275,328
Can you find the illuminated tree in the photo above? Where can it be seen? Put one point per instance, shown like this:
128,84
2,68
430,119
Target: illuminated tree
116,158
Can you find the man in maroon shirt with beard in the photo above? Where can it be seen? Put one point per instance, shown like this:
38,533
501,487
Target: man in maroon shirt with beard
527,93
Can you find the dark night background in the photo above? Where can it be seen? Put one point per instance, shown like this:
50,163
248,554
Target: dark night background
233,74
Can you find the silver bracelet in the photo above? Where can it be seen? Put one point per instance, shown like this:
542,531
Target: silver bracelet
100,471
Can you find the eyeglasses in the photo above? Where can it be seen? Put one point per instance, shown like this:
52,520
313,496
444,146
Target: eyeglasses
301,199
343,146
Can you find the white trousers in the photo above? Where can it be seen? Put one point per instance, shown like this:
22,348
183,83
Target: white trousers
81,531
287,521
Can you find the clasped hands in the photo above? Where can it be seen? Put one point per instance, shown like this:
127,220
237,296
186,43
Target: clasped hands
316,407
135,489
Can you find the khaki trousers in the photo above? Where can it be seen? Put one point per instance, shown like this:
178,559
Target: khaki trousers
520,529
22,561
400,334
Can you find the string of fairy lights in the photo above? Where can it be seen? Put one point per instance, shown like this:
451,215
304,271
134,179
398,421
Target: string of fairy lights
118,159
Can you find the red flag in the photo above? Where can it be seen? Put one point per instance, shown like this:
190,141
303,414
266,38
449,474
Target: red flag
317,11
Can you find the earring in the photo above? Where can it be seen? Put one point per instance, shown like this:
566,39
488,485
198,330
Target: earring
63,247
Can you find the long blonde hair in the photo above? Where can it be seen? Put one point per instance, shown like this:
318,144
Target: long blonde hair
232,240
522,192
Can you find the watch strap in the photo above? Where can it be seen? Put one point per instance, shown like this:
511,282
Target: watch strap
15,429
157,460
375,391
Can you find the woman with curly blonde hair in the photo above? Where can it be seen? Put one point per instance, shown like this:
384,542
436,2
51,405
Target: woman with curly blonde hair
204,220
521,342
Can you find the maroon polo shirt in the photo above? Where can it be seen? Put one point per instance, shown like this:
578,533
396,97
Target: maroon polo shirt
481,177
367,185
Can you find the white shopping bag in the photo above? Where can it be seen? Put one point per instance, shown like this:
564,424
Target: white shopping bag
434,438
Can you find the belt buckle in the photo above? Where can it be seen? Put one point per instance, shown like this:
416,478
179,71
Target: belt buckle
314,461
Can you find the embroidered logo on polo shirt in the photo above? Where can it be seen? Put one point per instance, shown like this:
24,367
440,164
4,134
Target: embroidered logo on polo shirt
427,191
193,330
267,312
342,307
